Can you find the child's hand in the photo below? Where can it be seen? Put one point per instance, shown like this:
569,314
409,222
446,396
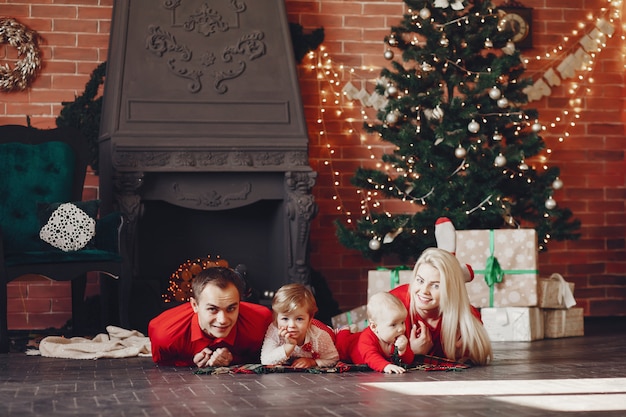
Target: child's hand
420,339
284,334
393,369
290,342
401,343
303,363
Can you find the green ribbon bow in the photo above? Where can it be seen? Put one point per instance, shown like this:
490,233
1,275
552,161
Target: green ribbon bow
494,274
395,274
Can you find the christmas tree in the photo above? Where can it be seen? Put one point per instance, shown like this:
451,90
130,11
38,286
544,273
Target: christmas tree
463,138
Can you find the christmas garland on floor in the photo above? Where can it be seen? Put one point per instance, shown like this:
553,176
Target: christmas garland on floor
421,363
29,55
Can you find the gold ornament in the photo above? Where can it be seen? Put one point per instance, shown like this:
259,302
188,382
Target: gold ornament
29,62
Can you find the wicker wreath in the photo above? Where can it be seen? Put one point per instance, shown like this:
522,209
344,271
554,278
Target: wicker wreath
29,55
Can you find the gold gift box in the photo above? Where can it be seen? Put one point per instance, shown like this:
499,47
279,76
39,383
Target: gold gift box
564,323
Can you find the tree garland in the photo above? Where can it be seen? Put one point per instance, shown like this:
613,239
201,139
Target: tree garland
26,68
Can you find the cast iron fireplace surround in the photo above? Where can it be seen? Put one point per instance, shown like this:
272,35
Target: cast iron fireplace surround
203,141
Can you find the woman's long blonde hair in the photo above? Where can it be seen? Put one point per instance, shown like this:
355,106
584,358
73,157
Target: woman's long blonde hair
457,320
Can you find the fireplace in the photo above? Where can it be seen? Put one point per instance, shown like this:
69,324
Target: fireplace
203,141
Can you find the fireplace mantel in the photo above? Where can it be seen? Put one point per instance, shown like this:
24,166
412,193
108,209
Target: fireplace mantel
202,111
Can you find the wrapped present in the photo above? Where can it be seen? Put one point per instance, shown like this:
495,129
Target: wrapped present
513,324
504,263
555,292
384,279
563,322
355,319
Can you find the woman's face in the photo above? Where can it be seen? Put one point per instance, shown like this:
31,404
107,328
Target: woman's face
426,288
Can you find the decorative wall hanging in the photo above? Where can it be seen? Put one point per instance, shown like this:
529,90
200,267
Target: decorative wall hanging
29,56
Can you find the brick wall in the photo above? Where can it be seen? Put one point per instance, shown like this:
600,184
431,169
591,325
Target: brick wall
74,41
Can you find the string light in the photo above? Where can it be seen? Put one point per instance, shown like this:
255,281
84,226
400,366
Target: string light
334,78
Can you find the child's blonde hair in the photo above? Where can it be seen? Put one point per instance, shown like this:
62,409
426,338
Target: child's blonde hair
291,297
382,302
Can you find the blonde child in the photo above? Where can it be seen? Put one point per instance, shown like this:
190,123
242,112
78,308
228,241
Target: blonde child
294,337
384,337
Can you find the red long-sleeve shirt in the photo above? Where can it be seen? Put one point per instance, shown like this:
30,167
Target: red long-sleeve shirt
176,336
402,292
364,347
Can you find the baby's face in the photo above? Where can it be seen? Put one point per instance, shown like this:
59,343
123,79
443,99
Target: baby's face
390,325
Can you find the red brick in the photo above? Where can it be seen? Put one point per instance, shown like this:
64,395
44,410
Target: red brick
48,320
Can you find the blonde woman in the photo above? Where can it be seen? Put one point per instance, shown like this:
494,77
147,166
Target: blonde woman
441,321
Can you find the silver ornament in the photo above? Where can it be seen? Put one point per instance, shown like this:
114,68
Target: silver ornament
557,184
392,90
497,136
425,13
444,41
460,152
495,93
488,43
473,126
374,244
509,49
391,118
550,203
503,102
388,54
523,166
536,127
500,161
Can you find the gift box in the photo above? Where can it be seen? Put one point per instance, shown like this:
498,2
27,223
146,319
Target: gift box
505,266
555,292
513,324
355,319
563,323
384,279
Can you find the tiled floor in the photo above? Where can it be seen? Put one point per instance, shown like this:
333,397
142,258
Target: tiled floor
583,376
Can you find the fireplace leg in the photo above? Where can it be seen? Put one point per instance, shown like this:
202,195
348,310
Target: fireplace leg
300,209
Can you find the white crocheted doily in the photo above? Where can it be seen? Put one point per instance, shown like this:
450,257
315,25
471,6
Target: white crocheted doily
69,228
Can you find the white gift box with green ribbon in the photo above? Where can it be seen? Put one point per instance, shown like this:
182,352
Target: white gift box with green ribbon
386,279
513,324
504,263
355,319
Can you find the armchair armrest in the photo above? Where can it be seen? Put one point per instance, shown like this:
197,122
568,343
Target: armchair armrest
109,232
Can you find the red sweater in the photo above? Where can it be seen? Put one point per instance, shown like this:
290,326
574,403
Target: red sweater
364,347
402,292
176,336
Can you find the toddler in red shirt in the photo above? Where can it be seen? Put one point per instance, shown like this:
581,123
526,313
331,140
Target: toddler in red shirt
383,345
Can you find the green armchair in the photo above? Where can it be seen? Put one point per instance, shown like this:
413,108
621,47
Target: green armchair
46,228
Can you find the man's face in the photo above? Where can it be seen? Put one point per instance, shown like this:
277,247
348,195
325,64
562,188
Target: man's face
217,309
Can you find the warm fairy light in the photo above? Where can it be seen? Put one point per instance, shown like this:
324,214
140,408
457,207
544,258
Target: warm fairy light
335,76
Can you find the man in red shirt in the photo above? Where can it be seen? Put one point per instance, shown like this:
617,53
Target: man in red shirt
215,328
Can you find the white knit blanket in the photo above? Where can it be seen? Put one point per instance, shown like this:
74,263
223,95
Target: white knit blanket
118,343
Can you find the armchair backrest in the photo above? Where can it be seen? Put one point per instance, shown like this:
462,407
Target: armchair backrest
37,166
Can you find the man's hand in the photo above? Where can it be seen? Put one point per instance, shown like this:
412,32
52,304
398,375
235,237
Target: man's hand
420,339
207,357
